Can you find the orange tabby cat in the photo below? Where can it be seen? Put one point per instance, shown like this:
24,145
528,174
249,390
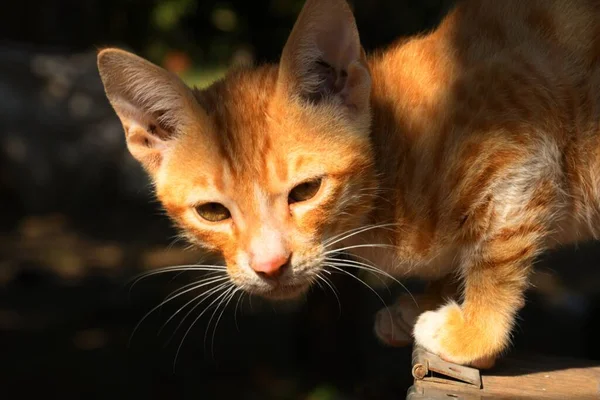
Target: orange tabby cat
462,153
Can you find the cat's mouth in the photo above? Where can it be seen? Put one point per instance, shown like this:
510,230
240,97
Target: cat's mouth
284,291
290,284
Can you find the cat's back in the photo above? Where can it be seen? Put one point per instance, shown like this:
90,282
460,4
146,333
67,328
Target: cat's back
478,29
492,52
496,84
475,31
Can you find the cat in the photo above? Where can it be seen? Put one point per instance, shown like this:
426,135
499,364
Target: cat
456,156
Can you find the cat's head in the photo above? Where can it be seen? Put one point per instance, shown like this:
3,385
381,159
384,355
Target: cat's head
266,165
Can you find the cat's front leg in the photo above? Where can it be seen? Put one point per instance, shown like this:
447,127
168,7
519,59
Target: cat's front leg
495,276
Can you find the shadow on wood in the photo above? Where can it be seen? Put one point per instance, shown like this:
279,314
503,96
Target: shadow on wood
525,377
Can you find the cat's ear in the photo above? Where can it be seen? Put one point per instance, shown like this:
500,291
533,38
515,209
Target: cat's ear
153,104
323,56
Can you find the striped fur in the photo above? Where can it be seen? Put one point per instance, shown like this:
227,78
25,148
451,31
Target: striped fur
479,143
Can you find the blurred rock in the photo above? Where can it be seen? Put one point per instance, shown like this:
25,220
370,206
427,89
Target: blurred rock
61,145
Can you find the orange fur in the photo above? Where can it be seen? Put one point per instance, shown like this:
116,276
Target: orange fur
478,144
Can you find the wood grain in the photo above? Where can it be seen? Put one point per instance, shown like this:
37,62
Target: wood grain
524,378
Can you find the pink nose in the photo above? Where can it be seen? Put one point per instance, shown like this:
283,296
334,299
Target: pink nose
271,267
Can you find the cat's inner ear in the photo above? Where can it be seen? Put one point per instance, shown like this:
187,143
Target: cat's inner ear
154,105
323,57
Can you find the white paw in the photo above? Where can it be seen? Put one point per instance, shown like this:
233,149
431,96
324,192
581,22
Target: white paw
428,330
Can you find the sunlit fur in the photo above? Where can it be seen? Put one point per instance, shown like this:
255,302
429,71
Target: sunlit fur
477,145
251,166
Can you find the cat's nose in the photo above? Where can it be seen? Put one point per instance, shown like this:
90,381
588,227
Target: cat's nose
271,267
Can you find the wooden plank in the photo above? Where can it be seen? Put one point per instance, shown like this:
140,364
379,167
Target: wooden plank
532,377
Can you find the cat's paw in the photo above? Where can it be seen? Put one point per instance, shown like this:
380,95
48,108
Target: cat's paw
445,332
394,324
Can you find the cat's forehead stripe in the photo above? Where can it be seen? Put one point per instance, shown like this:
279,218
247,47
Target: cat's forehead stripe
223,179
262,201
237,106
299,162
281,168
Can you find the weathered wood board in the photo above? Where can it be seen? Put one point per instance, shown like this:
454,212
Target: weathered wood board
529,377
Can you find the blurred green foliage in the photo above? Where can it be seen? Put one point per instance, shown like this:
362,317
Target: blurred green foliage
202,77
324,393
212,33
167,14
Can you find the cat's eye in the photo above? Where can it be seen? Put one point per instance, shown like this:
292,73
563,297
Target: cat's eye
213,212
304,191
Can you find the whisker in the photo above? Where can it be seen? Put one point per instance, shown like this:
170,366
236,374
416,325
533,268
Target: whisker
380,189
347,234
328,240
177,275
325,242
210,275
178,268
376,273
162,304
357,278
212,342
208,278
358,246
356,231
363,266
184,267
185,270
174,240
373,195
225,292
213,315
368,286
326,281
373,270
236,308
317,282
366,260
205,294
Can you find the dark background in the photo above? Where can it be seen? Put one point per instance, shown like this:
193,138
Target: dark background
78,221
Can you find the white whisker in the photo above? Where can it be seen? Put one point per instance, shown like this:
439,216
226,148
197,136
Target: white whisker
204,283
376,273
178,268
358,246
242,293
356,231
373,195
317,282
347,234
225,293
205,278
369,268
212,341
366,285
205,294
326,281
